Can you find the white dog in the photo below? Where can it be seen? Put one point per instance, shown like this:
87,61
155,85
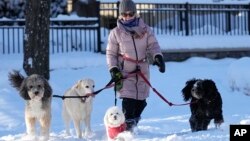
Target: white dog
79,109
37,93
114,121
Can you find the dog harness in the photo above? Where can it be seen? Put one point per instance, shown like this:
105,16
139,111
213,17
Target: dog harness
114,131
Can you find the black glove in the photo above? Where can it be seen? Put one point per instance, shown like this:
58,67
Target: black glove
116,74
117,77
158,60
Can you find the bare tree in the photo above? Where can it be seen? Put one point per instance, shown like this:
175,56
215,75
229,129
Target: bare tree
36,44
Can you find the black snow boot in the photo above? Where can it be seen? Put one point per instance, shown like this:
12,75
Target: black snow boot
131,123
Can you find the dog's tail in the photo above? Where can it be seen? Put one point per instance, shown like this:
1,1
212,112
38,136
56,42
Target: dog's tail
16,79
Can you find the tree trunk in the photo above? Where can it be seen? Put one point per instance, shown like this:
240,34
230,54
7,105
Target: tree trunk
36,43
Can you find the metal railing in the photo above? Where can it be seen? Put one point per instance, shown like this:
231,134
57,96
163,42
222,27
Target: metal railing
187,19
65,36
165,19
11,39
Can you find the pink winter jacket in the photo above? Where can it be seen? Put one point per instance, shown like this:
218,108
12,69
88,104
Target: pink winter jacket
120,43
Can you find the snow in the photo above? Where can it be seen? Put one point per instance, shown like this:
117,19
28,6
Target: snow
160,122
197,42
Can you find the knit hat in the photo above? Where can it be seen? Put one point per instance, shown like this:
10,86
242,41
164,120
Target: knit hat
127,5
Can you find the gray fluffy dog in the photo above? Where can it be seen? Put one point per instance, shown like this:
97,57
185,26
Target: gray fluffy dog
37,93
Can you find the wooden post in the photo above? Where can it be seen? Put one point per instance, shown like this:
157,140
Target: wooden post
36,40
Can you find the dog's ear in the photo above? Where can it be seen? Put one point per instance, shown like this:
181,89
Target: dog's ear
78,84
47,89
24,91
210,86
15,79
186,91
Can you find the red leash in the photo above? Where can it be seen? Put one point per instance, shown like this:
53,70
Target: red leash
138,71
111,84
146,80
162,97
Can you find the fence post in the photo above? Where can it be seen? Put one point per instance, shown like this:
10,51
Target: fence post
99,27
248,14
186,19
228,20
180,15
117,11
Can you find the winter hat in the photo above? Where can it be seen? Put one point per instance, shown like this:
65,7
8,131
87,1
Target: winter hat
127,5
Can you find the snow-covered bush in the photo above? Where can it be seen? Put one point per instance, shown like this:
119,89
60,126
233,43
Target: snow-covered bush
239,78
15,9
12,9
58,7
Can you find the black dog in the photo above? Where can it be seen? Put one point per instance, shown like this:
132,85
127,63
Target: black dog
206,103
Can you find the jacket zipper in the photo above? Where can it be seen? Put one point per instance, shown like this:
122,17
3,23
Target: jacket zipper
136,66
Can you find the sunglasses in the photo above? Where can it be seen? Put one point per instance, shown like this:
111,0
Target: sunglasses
130,14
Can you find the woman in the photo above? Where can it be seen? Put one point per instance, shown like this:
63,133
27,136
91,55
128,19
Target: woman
128,45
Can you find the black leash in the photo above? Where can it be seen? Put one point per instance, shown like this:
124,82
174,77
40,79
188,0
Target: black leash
63,97
115,93
109,85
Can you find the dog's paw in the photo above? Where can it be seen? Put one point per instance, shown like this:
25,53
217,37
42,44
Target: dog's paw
218,123
43,138
29,137
89,134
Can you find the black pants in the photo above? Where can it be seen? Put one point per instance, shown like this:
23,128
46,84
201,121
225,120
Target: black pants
133,108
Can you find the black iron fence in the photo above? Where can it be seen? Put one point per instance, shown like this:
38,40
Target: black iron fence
186,19
76,37
65,36
11,39
86,34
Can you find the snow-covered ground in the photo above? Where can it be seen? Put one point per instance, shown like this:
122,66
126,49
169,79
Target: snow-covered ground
159,121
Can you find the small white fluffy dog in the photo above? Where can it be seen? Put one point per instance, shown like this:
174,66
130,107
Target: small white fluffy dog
37,93
79,109
114,121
